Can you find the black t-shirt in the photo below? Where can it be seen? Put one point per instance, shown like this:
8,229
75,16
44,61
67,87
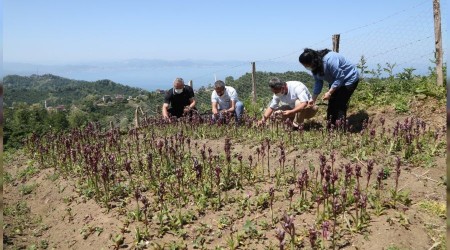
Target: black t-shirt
179,101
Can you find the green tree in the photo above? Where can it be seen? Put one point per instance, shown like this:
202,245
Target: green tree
77,118
58,121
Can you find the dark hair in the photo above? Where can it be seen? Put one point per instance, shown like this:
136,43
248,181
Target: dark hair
276,83
315,59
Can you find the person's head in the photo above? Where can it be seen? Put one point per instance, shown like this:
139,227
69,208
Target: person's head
178,85
277,86
219,87
312,60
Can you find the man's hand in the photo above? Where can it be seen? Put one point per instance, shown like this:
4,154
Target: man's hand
311,103
261,122
167,118
278,113
187,109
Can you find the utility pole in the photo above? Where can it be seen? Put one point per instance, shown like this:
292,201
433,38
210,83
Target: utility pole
438,54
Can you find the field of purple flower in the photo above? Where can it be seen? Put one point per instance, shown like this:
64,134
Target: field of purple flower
195,185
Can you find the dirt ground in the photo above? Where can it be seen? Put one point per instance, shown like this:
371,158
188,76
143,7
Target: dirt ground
54,216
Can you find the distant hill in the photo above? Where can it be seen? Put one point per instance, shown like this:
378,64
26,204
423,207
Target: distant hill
58,90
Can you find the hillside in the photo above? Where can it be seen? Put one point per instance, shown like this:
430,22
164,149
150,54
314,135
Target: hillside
58,90
62,91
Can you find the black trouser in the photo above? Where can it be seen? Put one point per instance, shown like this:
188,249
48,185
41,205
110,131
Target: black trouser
338,103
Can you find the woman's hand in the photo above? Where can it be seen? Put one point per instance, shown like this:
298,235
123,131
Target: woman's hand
326,96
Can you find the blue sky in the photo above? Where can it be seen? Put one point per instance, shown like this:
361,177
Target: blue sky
55,32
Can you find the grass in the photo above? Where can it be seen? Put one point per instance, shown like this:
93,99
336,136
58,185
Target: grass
7,178
19,209
433,208
20,219
27,189
393,247
436,232
27,172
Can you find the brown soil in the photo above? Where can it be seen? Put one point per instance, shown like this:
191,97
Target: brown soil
59,218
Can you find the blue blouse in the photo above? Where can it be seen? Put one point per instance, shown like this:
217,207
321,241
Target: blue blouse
338,71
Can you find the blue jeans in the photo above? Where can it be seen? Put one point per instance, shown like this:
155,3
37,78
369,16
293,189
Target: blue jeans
238,111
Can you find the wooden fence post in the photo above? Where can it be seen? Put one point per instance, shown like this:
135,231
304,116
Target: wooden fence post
438,42
253,82
136,118
336,39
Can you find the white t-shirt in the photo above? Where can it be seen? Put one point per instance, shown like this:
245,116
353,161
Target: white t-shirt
224,101
296,91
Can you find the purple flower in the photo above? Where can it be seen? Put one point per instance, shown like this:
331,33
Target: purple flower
380,176
313,236
279,234
127,166
291,192
198,169
382,120
358,171
218,171
326,229
287,222
271,194
370,164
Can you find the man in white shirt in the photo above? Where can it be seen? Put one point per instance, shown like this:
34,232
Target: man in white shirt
224,99
291,99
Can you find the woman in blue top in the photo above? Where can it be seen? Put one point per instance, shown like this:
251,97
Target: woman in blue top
341,75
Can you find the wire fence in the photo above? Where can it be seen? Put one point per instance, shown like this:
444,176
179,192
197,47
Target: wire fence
404,38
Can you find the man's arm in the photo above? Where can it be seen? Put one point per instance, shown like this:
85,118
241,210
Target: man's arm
298,107
192,100
214,107
266,115
193,103
233,98
232,106
165,113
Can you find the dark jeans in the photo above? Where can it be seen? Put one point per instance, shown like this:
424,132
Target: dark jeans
338,103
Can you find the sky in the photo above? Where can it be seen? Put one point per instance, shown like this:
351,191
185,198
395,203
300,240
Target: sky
62,37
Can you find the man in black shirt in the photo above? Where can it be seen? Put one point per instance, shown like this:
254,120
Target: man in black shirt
180,98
